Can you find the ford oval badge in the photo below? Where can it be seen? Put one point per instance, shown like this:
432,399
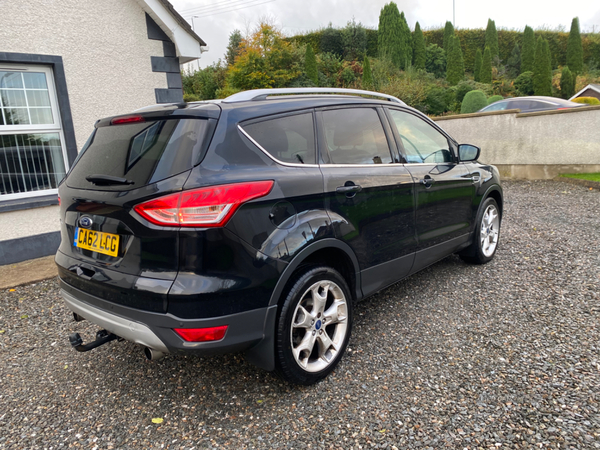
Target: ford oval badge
85,221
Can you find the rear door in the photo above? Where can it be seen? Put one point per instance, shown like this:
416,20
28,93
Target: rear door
444,188
368,193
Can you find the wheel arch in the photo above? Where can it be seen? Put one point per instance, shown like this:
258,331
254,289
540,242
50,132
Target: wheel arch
331,252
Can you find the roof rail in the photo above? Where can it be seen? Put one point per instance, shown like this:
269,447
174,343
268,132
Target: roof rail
262,94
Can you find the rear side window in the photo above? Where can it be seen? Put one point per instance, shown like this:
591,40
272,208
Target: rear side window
142,153
289,139
355,136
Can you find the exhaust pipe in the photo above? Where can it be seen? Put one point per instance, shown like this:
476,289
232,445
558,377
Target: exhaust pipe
153,355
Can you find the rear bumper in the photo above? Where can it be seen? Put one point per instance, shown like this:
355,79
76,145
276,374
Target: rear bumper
155,330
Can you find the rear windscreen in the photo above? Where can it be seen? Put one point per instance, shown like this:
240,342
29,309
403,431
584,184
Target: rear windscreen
140,153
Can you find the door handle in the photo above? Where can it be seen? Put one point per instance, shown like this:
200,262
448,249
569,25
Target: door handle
427,181
348,189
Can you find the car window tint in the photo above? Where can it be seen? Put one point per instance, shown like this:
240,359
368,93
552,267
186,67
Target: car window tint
355,136
289,139
497,106
422,143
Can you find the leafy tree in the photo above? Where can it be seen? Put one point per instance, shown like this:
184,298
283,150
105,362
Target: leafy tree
418,48
354,39
473,101
485,75
513,65
330,66
233,48
310,65
331,41
575,49
542,70
265,60
203,84
528,53
494,99
389,36
367,74
491,38
435,60
455,68
567,83
477,68
448,33
406,40
524,84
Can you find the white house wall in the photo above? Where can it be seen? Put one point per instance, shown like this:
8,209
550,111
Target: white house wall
105,50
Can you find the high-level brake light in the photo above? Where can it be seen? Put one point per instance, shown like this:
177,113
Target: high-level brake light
127,119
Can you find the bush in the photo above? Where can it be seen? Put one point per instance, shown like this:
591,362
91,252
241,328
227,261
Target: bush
473,101
587,100
435,60
436,101
191,98
567,83
524,84
462,89
494,98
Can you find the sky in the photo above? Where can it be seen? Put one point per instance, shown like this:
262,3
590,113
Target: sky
216,19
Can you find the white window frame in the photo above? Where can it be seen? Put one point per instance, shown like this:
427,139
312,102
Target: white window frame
55,127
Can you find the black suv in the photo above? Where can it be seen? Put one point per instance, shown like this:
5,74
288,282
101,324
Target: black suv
256,222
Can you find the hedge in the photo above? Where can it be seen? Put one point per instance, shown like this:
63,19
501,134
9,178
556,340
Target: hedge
472,39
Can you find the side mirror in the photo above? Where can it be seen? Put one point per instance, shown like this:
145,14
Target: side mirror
467,152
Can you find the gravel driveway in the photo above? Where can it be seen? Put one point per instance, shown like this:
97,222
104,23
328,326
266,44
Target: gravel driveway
505,355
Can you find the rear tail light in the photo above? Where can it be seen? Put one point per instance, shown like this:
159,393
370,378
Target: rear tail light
201,334
206,207
127,119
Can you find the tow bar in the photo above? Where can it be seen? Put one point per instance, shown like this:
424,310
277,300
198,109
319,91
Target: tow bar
102,337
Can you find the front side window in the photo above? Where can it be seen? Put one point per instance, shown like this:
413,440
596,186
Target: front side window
289,139
355,136
32,153
422,143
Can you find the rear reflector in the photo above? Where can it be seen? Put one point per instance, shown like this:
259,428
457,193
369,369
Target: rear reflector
206,207
127,119
201,334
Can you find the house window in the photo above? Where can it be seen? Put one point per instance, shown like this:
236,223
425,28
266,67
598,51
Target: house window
32,149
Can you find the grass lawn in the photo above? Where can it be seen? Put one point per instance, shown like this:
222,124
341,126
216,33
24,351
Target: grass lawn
583,176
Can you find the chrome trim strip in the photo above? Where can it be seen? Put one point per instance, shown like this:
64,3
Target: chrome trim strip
271,156
262,94
122,327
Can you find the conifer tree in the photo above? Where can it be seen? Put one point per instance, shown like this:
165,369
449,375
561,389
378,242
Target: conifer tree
406,57
567,83
233,48
485,74
542,70
448,32
310,65
491,38
575,49
477,68
389,35
367,78
418,48
527,50
455,68
513,65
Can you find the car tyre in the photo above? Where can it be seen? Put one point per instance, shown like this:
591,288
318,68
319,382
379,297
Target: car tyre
314,325
487,234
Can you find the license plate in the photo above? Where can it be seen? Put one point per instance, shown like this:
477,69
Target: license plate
97,241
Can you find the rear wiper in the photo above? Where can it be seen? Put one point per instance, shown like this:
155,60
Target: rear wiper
107,180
